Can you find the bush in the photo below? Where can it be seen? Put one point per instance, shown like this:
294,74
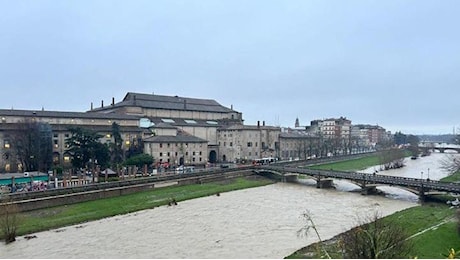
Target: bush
9,220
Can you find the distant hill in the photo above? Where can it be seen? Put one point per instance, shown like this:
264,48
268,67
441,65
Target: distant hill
446,138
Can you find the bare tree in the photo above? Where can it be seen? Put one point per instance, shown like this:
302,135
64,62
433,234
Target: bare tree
9,220
32,145
376,238
451,164
391,158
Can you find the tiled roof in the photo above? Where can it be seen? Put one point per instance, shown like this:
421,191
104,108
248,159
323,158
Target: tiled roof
169,102
59,114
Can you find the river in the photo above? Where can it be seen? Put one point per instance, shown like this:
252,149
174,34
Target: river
253,223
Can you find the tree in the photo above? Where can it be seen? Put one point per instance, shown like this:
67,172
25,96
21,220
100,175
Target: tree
376,238
400,138
136,146
85,148
32,145
413,144
115,148
139,160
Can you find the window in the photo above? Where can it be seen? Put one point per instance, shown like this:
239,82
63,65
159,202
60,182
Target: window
168,120
249,144
212,122
190,121
169,154
66,135
161,154
55,135
231,144
186,153
200,152
161,145
225,144
193,153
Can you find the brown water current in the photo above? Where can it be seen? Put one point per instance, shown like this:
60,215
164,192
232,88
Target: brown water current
253,223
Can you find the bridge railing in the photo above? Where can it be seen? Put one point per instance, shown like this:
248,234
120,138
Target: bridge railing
376,178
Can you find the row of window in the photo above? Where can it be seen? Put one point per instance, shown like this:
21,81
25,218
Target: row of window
177,145
176,153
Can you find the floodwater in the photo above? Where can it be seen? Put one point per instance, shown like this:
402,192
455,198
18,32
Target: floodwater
253,223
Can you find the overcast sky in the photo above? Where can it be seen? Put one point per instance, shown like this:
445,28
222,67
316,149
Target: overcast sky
391,63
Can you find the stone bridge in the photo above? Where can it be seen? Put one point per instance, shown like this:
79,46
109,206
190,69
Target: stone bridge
441,147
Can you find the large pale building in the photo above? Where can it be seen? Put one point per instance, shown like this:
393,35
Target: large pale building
191,124
60,123
200,118
247,142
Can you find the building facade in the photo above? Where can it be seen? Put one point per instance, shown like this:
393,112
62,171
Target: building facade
239,143
60,124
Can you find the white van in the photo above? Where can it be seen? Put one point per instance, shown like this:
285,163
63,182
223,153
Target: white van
182,169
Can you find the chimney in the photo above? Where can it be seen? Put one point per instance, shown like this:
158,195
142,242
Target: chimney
185,104
263,123
258,123
91,105
102,103
231,106
113,101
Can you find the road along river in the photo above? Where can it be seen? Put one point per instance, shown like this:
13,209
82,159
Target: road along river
253,223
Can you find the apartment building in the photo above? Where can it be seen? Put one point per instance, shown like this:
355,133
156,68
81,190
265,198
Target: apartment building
369,135
331,128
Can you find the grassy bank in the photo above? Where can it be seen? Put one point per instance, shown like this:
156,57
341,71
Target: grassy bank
452,178
437,220
351,165
434,243
44,219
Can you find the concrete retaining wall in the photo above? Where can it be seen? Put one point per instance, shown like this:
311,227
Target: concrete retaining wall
79,194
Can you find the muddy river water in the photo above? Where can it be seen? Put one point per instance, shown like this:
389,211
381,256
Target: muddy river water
253,223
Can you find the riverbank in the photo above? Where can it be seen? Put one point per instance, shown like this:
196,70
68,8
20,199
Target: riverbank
56,217
432,226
